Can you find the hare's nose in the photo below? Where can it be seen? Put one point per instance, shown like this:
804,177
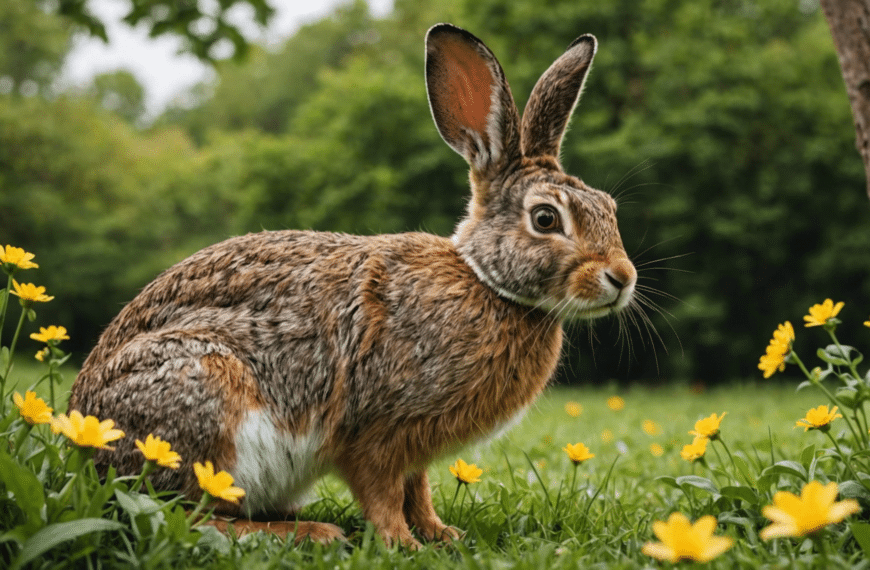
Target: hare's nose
621,274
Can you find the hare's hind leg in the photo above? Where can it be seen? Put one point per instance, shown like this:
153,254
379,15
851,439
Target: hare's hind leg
321,532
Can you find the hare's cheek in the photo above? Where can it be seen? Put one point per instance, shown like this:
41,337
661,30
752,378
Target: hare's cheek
274,467
585,282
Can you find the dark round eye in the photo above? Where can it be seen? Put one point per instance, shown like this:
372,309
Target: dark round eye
546,219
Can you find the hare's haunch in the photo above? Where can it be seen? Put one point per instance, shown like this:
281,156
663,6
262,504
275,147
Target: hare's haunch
283,356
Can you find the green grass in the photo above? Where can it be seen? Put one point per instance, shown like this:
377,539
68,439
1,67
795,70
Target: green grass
532,510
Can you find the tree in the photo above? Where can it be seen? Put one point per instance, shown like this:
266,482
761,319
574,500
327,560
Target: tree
850,26
201,24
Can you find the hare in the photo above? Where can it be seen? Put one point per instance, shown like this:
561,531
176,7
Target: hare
283,356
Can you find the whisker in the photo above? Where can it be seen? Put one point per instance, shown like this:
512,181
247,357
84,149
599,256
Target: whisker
678,256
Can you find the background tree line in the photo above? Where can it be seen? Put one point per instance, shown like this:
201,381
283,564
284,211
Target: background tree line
722,126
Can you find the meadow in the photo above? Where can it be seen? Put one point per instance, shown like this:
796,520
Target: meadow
593,477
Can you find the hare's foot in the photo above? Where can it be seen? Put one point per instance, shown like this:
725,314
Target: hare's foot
301,530
420,513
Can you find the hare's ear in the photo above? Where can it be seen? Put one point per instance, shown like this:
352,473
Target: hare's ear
554,97
470,99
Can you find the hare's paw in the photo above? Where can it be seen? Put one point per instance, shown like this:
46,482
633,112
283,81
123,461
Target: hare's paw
323,533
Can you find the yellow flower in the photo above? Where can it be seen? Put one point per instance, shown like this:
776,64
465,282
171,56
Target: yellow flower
708,427
651,428
777,350
606,436
812,511
577,453
40,355
219,484
682,540
615,403
465,473
867,323
818,418
17,257
156,450
573,409
656,449
695,450
34,410
819,314
86,431
50,335
30,293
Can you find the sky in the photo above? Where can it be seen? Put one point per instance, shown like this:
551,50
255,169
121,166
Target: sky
156,63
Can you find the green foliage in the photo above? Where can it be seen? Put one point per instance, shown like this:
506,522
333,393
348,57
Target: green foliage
722,128
32,47
203,26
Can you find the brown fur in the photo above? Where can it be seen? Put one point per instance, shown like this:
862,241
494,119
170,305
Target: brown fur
280,356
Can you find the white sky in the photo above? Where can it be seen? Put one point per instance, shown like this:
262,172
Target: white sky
156,62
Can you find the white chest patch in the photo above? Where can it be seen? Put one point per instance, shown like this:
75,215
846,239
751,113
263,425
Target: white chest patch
275,468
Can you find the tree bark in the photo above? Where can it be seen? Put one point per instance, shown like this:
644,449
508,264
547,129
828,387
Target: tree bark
849,21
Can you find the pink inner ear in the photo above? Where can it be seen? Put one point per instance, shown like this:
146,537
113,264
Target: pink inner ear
469,88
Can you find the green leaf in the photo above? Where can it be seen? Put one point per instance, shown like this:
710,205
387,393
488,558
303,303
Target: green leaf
835,359
25,489
699,482
853,490
745,470
807,455
861,532
786,468
57,533
743,493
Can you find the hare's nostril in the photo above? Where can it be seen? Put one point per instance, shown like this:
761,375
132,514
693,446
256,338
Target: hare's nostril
614,280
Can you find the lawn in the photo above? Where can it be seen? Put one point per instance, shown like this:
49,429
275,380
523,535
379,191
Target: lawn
532,507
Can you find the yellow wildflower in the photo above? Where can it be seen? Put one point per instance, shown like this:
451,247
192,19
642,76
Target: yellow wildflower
818,418
695,450
573,409
812,511
651,428
40,355
159,451
218,484
615,403
606,436
50,335
30,293
656,449
465,473
682,540
86,431
819,314
708,427
34,410
16,258
577,453
777,350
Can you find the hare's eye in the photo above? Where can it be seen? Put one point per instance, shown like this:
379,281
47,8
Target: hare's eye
546,219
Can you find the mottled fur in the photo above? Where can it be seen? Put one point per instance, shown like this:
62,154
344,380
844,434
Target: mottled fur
370,356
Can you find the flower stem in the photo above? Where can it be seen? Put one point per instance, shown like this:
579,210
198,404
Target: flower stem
828,393
453,502
146,470
5,305
9,364
203,501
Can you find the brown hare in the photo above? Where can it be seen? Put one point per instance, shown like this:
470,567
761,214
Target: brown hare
283,356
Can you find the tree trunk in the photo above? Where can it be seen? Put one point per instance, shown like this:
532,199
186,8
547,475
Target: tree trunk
850,26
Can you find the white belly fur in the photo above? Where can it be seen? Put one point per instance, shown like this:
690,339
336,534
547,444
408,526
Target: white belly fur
276,469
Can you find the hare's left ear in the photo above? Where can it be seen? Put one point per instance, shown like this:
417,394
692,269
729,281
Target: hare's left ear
554,97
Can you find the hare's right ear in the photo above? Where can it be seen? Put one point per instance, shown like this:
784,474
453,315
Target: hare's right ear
470,99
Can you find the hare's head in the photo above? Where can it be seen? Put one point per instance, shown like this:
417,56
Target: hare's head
533,233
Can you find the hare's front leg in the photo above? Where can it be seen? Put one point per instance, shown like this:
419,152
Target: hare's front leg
419,511
380,491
